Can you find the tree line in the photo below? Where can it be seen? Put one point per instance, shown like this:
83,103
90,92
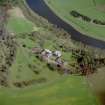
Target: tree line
86,18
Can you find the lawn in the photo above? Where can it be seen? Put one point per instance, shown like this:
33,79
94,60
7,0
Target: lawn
86,7
19,25
70,90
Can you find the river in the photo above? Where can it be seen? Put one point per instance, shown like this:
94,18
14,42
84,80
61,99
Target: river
41,8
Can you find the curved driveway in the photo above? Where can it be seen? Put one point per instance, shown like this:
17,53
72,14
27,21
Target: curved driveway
40,7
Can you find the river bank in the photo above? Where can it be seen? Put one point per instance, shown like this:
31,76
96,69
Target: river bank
82,23
32,16
48,14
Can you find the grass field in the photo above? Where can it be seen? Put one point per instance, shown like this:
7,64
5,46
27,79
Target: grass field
69,90
20,70
58,89
86,7
18,24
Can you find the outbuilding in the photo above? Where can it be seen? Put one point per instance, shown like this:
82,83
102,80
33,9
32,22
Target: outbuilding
57,53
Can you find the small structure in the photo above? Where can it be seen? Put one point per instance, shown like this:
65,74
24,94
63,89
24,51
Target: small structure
57,54
36,50
59,61
47,53
53,60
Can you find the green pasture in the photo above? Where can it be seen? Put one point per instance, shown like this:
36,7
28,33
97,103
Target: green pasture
70,90
94,9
